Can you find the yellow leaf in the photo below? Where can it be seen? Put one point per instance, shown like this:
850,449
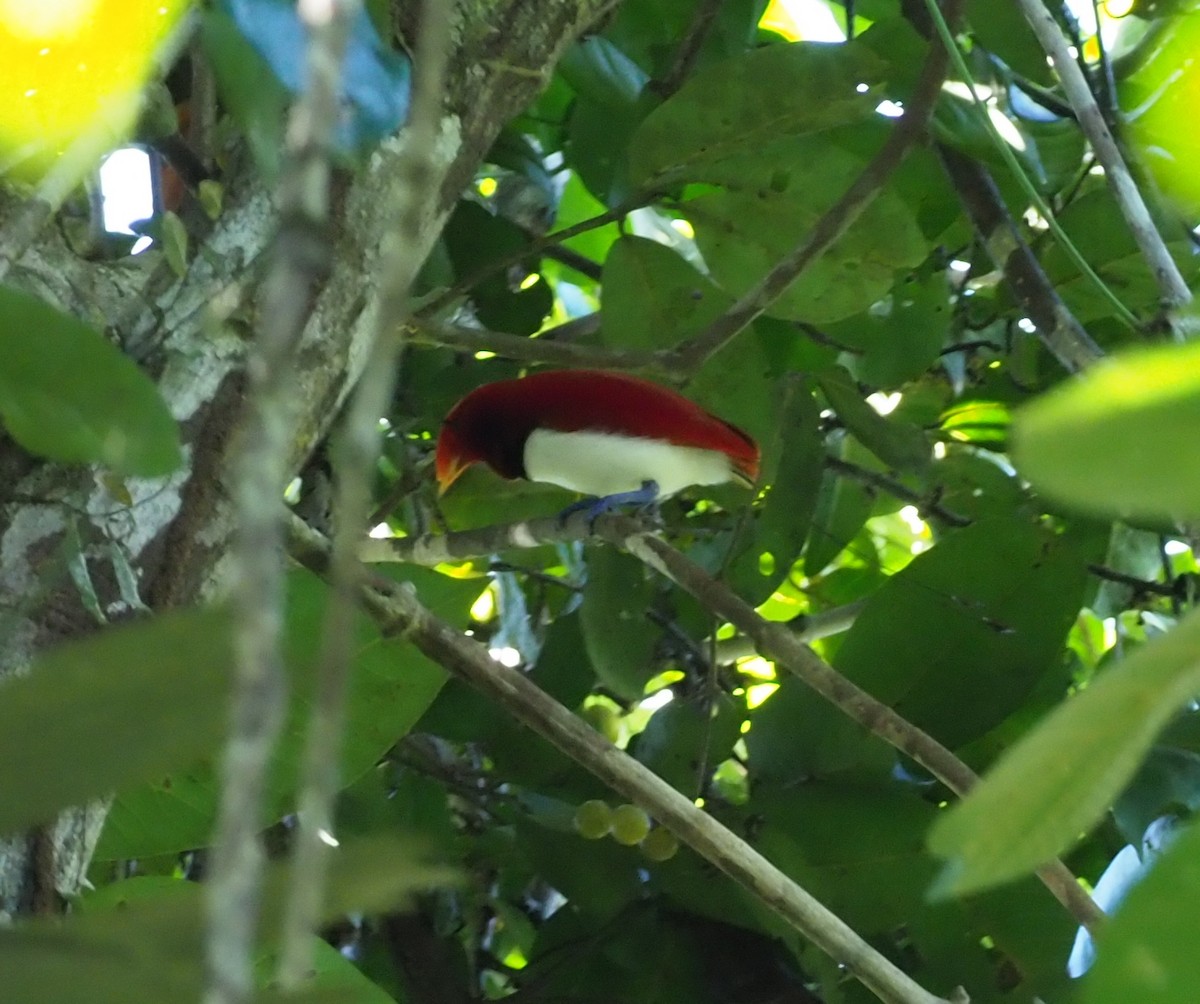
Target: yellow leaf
71,74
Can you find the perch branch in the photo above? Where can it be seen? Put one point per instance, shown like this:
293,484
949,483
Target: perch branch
397,611
773,640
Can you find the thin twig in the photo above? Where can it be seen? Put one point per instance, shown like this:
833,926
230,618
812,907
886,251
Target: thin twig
689,48
355,453
1172,287
926,507
908,130
301,260
530,250
397,610
533,350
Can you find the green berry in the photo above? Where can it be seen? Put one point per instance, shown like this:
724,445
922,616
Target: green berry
604,720
660,844
593,819
629,825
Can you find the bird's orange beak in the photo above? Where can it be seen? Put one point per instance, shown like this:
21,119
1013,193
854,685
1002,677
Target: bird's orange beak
449,473
450,461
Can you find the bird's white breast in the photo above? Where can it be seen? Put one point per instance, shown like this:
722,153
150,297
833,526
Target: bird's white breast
604,463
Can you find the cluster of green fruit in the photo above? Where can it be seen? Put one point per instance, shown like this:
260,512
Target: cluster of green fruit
627,825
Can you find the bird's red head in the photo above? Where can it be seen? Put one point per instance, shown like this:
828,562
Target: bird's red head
487,426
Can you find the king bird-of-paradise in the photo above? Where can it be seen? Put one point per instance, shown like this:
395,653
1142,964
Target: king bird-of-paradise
615,437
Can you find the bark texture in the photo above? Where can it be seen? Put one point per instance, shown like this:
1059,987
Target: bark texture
190,332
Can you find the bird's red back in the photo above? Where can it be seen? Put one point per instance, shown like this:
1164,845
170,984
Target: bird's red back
506,412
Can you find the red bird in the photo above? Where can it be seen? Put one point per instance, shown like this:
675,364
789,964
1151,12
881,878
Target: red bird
608,435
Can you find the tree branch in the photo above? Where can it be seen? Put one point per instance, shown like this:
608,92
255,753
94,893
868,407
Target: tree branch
1174,290
776,642
535,247
772,640
397,610
356,450
420,331
909,129
1060,332
301,261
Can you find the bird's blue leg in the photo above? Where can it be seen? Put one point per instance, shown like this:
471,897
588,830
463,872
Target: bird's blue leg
642,498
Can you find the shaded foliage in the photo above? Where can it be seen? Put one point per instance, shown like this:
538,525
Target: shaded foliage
882,386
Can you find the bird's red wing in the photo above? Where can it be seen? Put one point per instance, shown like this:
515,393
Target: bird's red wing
575,400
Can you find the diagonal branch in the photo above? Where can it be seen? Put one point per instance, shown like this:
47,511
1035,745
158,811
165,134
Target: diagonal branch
397,610
1057,327
773,640
1174,290
776,642
908,131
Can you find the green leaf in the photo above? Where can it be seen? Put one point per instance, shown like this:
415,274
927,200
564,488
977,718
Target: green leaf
1057,782
1147,952
599,71
899,337
1168,780
473,238
126,705
767,207
142,939
1002,29
843,506
391,687
1114,255
685,736
211,194
1122,438
957,640
900,445
333,975
598,138
175,243
618,635
576,205
777,536
856,847
68,394
728,112
653,299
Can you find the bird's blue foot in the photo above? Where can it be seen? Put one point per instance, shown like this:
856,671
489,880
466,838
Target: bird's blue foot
642,498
